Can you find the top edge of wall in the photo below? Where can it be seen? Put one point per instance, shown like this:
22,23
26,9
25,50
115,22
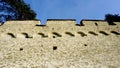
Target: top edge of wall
60,22
61,19
88,22
92,20
65,22
23,22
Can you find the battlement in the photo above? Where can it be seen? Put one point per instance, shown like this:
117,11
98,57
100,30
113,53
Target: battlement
62,22
57,27
95,23
60,43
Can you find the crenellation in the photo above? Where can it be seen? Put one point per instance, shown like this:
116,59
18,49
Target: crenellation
94,23
59,43
62,26
62,23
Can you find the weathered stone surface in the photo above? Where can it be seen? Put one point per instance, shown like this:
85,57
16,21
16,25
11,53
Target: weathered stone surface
59,44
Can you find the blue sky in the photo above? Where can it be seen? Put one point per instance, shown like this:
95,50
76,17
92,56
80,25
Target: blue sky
73,9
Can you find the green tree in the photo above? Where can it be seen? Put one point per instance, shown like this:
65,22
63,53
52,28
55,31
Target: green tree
112,18
24,10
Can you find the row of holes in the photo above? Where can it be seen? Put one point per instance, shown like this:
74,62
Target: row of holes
54,47
68,33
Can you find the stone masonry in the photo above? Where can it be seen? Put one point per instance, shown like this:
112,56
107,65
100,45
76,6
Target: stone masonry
60,44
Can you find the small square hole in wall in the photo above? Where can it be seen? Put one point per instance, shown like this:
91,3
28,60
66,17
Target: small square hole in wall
21,49
54,47
54,37
96,24
85,45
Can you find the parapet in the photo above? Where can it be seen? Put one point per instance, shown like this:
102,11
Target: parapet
61,22
23,22
94,23
58,27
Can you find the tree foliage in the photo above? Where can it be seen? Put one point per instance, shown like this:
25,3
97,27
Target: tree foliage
16,9
112,18
24,10
7,12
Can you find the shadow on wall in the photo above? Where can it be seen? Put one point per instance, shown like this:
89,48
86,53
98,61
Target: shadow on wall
43,35
70,34
104,33
56,34
114,32
82,34
12,35
93,33
26,35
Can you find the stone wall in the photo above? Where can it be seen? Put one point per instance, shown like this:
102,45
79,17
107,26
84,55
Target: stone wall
59,44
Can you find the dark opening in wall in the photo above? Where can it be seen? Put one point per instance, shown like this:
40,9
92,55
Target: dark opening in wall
96,24
57,34
82,34
93,33
12,35
85,45
104,33
40,25
54,36
114,32
81,23
21,49
69,33
26,35
77,24
54,47
43,35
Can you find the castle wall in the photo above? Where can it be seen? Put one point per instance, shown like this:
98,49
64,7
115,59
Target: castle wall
60,43
59,26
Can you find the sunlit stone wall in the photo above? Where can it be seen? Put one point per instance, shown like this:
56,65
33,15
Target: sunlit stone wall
60,44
